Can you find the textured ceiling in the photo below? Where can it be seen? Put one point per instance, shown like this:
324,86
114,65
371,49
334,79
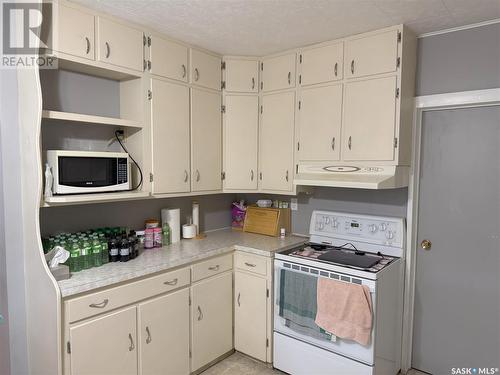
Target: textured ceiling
260,27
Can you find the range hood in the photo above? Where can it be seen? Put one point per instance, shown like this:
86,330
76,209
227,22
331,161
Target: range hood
349,176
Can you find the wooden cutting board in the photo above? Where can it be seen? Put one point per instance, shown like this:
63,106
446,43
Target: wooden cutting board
262,221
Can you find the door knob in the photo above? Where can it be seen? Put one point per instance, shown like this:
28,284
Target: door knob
426,244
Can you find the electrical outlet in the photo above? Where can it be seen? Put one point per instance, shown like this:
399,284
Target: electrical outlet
294,204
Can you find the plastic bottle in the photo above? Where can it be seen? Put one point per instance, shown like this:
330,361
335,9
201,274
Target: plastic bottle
86,251
96,252
75,258
166,234
49,179
114,250
104,249
124,250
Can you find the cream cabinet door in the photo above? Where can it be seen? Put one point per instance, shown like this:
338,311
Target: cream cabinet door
241,126
206,140
105,345
169,59
170,133
321,64
320,118
278,72
120,45
205,70
250,315
76,32
164,334
242,76
369,119
276,141
212,319
373,54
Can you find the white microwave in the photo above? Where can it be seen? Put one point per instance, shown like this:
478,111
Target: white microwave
78,172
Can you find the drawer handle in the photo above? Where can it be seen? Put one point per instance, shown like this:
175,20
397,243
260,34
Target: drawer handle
249,264
148,339
335,69
87,50
100,305
108,50
239,296
214,268
289,78
200,314
171,282
132,346
196,74
352,67
184,71
253,83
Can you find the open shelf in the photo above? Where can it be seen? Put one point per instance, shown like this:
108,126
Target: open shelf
63,200
89,119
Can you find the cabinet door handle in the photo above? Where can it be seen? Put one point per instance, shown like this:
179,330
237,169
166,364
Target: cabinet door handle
249,264
197,175
335,69
148,339
253,83
333,143
200,314
214,268
108,50
184,71
289,78
239,296
251,174
132,345
171,282
349,143
87,50
100,305
352,67
286,175
186,175
196,74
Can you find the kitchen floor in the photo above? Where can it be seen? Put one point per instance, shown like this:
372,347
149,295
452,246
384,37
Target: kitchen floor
240,364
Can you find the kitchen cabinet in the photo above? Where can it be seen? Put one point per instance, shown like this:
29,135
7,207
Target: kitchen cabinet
321,64
76,32
369,119
241,76
276,141
170,137
371,54
212,319
278,72
206,140
241,125
205,70
169,59
119,44
105,345
164,334
320,119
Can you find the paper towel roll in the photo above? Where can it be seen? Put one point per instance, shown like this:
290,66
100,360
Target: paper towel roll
189,231
172,216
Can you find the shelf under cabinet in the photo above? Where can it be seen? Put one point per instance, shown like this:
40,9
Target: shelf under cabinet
89,119
62,200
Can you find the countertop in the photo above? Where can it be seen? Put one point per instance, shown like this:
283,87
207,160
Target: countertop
182,253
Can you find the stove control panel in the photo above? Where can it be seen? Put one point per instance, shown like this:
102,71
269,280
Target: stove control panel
365,228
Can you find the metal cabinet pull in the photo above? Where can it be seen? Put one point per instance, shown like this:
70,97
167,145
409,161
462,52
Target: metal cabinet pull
200,314
184,71
214,268
251,174
253,83
148,339
196,74
335,69
352,67
171,282
132,345
186,176
197,175
100,305
289,78
349,143
333,143
87,50
286,176
249,264
239,296
108,50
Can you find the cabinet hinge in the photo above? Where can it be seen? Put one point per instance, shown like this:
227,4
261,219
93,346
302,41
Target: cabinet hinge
397,92
298,146
223,175
68,347
145,65
260,176
150,94
189,301
300,79
398,62
223,65
223,85
300,59
267,293
296,168
149,65
190,354
262,66
300,104
144,39
395,143
262,85
223,108
399,36
149,41
261,109
267,343
150,177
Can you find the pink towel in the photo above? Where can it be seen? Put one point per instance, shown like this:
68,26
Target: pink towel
344,309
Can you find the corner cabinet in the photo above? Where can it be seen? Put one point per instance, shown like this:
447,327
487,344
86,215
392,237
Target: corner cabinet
278,73
206,70
168,59
241,76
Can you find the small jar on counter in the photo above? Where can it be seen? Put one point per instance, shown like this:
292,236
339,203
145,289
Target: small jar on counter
157,237
149,238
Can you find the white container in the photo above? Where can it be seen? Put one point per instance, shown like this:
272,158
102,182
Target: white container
188,231
196,216
172,216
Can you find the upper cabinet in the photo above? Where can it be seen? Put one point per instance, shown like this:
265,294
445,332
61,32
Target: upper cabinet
241,76
76,32
373,54
119,44
205,70
169,59
321,64
278,72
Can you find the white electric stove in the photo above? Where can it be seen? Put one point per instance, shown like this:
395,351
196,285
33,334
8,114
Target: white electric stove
360,249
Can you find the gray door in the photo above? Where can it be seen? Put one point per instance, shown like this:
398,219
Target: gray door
457,292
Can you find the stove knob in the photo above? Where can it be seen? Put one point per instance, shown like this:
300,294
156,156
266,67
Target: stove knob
382,227
389,235
372,228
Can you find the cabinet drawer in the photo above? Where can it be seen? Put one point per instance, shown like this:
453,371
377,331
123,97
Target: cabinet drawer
251,263
212,267
106,300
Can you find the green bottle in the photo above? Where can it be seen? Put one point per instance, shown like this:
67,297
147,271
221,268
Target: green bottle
86,249
96,251
105,249
166,234
75,258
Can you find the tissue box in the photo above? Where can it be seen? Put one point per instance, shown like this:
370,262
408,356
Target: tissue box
60,272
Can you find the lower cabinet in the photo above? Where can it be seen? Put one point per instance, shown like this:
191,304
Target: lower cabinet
212,319
164,334
105,345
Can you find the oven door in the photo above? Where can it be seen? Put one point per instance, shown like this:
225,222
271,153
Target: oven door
348,348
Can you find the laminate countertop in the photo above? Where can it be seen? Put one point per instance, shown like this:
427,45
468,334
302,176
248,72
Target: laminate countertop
182,253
